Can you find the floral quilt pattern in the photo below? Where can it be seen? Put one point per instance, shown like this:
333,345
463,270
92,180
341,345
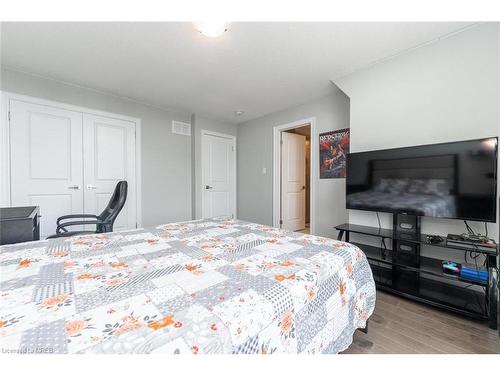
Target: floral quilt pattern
206,286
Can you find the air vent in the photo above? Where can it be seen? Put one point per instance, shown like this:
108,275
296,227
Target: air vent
182,128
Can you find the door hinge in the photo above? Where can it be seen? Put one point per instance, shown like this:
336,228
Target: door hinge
281,141
232,148
9,115
281,222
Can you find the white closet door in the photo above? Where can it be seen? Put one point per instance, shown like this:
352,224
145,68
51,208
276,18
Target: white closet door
46,161
108,157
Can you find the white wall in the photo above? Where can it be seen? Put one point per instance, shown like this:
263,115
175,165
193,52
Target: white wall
198,124
445,91
166,157
255,151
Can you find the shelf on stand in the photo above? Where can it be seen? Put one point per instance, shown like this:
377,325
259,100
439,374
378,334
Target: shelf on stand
430,266
422,278
457,299
421,239
434,291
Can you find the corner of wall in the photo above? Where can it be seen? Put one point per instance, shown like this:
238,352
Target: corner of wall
193,166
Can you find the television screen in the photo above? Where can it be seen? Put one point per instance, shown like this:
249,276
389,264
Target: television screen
454,180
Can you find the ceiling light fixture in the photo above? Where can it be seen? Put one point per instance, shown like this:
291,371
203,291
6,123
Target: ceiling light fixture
238,113
212,29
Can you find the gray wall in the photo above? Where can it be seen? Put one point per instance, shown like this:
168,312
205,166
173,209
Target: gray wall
166,157
445,91
198,124
255,151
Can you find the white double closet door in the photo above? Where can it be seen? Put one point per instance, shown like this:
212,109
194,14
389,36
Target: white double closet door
69,162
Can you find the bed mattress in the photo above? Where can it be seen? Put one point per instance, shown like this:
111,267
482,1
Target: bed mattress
208,286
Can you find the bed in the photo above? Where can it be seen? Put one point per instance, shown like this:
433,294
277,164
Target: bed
208,286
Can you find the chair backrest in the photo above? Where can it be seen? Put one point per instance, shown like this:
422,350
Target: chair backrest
114,207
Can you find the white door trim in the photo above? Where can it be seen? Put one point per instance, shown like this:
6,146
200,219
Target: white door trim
276,168
227,136
5,185
4,153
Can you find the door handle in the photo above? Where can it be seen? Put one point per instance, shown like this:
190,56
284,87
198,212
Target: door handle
91,187
74,187
303,188
208,187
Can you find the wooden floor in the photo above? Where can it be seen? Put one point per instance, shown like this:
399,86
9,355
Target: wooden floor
400,326
306,230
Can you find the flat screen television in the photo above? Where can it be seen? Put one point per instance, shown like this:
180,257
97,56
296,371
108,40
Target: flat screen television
456,180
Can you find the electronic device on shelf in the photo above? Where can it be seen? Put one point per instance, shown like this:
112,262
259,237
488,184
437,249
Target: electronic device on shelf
473,237
453,237
470,240
434,238
473,273
451,268
466,272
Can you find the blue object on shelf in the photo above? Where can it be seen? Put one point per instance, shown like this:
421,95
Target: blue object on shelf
473,274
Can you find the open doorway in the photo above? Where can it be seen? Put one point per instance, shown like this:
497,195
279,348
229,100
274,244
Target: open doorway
293,190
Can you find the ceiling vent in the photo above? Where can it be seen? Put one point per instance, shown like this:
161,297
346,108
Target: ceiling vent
182,128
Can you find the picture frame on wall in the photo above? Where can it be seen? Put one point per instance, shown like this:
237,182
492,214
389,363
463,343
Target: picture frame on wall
333,148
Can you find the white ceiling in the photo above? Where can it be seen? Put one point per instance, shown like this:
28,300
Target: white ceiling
255,67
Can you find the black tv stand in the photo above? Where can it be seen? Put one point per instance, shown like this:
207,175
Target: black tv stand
421,278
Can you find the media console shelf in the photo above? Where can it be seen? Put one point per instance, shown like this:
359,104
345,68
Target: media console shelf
425,281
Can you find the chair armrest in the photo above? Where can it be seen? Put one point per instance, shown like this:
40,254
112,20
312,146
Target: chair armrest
62,227
77,216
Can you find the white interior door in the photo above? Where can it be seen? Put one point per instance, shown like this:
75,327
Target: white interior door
293,181
46,161
218,176
108,157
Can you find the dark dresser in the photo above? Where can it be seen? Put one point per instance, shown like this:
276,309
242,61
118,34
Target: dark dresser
19,224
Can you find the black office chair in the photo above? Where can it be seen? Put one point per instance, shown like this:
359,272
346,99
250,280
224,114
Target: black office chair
103,222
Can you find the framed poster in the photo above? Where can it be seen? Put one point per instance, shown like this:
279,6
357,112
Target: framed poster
333,148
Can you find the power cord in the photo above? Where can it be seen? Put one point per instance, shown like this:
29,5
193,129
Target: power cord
384,249
467,226
382,240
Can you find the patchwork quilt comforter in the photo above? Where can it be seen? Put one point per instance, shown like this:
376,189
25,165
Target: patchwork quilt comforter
208,286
